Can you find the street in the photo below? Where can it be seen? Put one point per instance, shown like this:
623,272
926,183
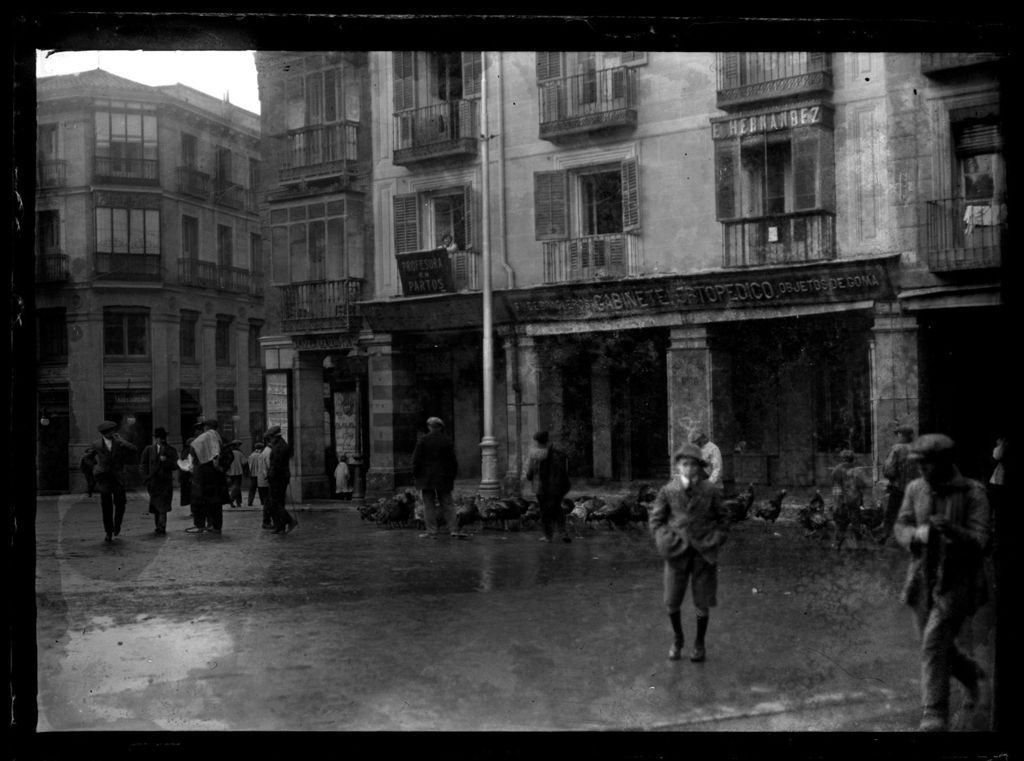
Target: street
346,625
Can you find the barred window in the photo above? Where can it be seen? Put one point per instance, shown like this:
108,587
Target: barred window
125,332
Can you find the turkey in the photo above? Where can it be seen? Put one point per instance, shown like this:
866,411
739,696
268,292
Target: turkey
582,506
769,510
369,512
466,512
812,516
591,507
531,514
871,517
738,506
397,510
614,513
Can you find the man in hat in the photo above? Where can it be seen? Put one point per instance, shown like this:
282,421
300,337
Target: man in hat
689,525
157,464
711,453
944,523
258,476
209,483
235,472
848,488
899,469
278,475
549,469
111,452
434,468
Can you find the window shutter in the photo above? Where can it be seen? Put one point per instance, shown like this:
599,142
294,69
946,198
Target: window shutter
404,79
550,197
406,223
730,74
634,56
574,255
597,252
977,137
805,170
472,64
726,168
549,65
616,252
630,195
469,208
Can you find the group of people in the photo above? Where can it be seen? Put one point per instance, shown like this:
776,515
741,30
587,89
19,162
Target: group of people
210,475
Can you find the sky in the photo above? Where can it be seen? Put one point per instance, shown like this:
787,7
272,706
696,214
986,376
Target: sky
214,72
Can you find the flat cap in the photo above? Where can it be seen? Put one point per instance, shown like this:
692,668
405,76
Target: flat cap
689,450
931,445
106,426
274,430
435,422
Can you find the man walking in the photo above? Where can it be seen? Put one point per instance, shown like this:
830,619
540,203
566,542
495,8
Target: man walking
549,469
111,453
278,475
944,522
899,469
711,454
158,463
235,472
258,476
848,489
434,468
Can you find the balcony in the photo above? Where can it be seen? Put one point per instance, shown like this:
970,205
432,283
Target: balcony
748,78
321,305
194,183
229,194
585,103
446,130
52,267
53,173
144,267
314,153
466,270
200,274
782,239
126,171
591,258
964,235
940,63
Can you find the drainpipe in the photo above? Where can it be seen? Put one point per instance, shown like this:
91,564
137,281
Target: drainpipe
510,275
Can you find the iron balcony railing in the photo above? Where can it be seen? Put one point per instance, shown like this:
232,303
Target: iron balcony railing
321,304
750,77
933,63
127,266
193,182
465,270
442,130
962,234
132,171
320,151
780,239
53,173
52,267
584,102
200,274
591,257
229,194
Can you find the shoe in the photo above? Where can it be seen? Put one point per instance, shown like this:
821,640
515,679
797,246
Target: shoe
117,532
428,535
108,538
459,535
545,539
214,530
698,654
675,652
567,539
291,527
932,724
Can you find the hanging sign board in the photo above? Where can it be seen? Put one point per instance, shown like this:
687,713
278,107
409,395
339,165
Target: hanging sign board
425,272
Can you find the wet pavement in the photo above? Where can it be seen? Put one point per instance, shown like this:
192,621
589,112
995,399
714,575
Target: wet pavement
346,625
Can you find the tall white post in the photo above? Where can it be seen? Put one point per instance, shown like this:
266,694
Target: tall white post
489,484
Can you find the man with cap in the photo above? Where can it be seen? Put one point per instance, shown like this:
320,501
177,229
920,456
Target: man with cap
549,469
711,453
689,525
944,522
157,464
278,475
111,453
235,472
849,484
899,469
434,468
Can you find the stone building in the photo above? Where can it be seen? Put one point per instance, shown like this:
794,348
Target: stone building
793,251
149,289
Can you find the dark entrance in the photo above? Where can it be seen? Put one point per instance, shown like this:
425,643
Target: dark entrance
54,419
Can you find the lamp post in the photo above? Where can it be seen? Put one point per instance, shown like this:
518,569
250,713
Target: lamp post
489,485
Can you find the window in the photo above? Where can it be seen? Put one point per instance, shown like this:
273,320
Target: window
255,360
226,413
189,237
255,253
978,153
48,225
444,212
222,340
308,242
592,201
126,138
49,147
127,231
449,76
318,97
254,174
125,332
257,420
225,246
189,151
188,330
53,335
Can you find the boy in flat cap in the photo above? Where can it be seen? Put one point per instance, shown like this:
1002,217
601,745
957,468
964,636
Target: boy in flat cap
944,523
111,453
689,525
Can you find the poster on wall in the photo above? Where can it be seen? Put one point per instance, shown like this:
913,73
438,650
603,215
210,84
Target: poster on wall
346,423
277,386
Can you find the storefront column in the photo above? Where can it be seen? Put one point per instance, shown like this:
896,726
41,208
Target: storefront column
522,395
208,365
550,410
165,374
308,477
242,364
85,386
894,366
601,405
689,385
392,427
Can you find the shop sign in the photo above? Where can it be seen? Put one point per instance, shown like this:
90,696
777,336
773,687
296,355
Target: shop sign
425,272
770,121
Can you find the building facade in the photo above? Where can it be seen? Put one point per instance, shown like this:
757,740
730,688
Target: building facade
786,250
149,283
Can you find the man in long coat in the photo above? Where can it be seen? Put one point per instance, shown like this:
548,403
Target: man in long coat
279,473
158,463
549,468
434,468
944,523
111,453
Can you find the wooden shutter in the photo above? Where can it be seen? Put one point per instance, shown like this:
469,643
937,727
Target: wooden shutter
616,252
549,65
472,64
407,236
805,169
550,198
469,209
597,252
404,79
729,76
727,162
630,195
978,137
